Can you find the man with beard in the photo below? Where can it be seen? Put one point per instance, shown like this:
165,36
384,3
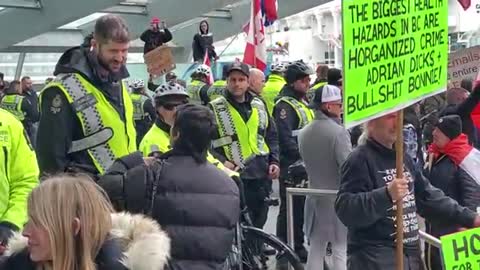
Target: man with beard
30,122
86,113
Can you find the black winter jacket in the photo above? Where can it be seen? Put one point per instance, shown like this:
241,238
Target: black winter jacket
287,120
456,184
59,124
109,258
202,43
196,204
154,39
365,207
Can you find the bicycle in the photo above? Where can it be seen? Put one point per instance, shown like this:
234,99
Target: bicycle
255,249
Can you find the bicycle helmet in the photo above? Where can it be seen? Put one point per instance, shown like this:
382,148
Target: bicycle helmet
203,70
279,67
297,70
169,89
137,84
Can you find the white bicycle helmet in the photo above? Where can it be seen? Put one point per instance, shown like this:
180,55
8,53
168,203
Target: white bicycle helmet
203,70
170,88
137,84
279,67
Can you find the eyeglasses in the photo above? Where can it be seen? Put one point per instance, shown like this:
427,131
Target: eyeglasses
172,106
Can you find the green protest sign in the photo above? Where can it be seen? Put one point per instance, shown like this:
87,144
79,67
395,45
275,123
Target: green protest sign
461,251
395,53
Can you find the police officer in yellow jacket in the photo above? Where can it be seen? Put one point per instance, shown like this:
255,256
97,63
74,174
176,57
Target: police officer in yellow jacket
143,110
20,106
157,140
291,113
217,89
246,139
18,175
197,89
86,112
274,84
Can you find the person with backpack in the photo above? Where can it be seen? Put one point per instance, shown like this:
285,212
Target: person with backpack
197,204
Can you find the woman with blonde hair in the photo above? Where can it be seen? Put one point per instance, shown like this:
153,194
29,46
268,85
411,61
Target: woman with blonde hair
71,227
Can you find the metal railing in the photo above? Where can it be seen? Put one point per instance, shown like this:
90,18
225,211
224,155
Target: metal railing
325,192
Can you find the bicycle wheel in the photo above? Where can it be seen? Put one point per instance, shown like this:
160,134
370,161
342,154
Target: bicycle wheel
264,251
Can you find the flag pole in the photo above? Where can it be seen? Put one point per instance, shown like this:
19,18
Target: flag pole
399,203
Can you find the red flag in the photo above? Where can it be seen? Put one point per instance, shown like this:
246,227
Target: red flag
207,62
270,10
465,4
256,51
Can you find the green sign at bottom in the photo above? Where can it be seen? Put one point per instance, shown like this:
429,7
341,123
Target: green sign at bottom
461,251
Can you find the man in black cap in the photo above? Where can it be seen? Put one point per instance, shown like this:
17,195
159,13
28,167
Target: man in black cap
334,77
291,114
246,140
446,175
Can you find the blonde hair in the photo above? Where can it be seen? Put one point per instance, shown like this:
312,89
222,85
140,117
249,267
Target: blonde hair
54,205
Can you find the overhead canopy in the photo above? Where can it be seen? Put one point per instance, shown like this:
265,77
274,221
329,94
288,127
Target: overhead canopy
52,26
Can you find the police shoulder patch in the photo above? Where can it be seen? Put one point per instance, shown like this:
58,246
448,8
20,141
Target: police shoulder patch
283,114
56,104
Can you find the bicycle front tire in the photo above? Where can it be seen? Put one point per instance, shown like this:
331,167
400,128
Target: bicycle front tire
255,257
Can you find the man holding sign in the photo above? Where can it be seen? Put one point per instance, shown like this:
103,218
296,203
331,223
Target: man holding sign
395,54
366,202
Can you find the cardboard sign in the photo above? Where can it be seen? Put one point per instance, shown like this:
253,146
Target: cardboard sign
159,61
463,64
461,251
395,53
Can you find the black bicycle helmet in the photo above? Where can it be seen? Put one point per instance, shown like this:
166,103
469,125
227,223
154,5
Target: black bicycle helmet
297,70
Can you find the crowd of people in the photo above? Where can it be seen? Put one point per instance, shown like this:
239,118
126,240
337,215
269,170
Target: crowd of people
120,178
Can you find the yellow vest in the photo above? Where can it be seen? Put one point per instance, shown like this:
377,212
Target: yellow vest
138,100
13,104
216,90
193,90
305,114
18,170
311,91
239,139
272,87
107,137
157,140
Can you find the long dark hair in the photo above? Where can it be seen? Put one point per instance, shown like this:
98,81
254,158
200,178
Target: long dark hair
200,27
195,126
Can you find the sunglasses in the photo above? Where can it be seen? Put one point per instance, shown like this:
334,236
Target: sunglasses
172,106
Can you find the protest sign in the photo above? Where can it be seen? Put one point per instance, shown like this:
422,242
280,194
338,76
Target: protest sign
159,61
395,53
461,251
463,64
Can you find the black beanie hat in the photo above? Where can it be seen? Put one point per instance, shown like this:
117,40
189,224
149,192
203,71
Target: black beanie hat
450,125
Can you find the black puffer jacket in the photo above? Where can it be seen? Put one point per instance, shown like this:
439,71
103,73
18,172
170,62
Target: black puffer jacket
196,204
109,258
456,184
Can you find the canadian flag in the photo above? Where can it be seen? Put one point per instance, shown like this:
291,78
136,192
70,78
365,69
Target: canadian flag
256,50
270,10
207,62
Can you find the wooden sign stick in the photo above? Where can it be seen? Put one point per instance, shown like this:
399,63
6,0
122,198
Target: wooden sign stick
399,203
